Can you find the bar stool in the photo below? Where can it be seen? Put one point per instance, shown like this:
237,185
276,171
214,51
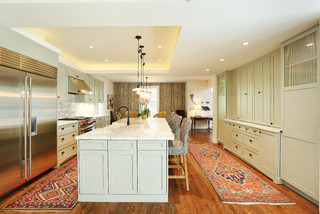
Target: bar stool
180,147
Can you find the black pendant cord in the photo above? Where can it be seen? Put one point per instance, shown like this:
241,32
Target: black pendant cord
138,61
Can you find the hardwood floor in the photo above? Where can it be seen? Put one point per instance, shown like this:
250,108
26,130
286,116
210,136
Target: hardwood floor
200,199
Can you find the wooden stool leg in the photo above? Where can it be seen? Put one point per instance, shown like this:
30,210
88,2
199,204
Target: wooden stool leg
181,157
186,171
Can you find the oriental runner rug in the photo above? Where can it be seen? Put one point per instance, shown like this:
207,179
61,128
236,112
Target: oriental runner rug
58,192
232,181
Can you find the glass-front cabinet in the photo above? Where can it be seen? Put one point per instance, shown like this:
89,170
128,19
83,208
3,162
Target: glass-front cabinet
300,61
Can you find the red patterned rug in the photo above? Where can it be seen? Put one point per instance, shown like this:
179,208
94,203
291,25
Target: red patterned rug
58,192
232,181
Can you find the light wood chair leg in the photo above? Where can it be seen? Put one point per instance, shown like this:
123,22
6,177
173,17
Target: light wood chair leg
186,171
181,156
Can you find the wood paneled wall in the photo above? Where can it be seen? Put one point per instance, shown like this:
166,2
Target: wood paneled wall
172,96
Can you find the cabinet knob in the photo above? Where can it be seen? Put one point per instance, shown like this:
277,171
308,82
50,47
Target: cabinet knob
260,132
58,96
246,128
250,141
236,146
73,135
62,153
62,139
254,131
73,126
236,135
259,92
239,127
62,128
250,155
73,147
237,117
271,123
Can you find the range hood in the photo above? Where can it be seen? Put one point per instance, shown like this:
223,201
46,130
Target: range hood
77,86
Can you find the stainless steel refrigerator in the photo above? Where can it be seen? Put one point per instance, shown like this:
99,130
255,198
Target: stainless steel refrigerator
28,129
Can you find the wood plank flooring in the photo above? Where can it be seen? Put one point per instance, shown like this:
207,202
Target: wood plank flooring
200,199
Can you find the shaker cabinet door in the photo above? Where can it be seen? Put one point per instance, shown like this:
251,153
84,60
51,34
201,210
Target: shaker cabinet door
152,170
94,172
122,172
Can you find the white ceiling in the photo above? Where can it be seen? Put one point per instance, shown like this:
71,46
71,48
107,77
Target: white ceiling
210,30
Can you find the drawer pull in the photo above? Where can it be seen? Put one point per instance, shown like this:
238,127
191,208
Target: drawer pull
246,128
250,141
73,147
259,92
254,131
62,128
73,126
236,147
62,139
239,127
250,155
260,132
73,135
236,135
62,153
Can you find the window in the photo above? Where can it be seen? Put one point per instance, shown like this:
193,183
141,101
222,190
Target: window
154,101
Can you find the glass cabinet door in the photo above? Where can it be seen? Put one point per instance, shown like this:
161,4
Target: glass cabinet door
300,61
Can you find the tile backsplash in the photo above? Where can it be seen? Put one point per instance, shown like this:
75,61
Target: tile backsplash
69,108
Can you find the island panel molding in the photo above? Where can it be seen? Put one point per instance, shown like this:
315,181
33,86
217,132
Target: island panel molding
121,163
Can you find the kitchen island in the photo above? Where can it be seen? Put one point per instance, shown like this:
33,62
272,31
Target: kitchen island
121,163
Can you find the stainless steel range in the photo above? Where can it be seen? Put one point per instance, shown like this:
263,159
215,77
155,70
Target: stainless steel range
86,124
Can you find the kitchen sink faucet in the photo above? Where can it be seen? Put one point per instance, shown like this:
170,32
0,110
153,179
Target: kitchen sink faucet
128,121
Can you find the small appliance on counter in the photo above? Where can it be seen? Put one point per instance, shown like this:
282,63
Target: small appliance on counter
86,124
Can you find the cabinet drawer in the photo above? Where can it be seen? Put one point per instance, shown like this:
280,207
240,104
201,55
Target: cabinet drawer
252,141
122,145
254,131
67,138
149,145
67,151
67,128
237,148
93,144
237,135
251,155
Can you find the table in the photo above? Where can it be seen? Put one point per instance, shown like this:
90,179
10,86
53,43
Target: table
197,118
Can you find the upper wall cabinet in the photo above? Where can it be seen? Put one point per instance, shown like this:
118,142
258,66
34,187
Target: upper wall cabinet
62,82
95,85
257,91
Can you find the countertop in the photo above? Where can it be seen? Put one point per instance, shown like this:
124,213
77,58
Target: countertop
253,125
66,122
93,115
149,129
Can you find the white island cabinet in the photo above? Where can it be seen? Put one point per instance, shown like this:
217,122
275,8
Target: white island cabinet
123,163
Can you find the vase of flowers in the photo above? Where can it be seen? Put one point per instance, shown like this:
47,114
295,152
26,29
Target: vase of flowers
144,104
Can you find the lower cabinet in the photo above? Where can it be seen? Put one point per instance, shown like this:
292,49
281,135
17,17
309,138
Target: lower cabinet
94,172
257,145
152,169
123,170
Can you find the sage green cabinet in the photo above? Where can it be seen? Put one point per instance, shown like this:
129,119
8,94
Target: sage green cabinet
62,83
257,93
75,73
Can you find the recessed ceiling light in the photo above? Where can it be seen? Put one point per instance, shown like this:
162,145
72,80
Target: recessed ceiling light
106,60
207,69
221,60
159,46
159,60
310,44
245,43
90,46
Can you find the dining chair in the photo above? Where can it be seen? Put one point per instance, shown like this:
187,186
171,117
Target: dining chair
175,128
171,119
161,114
131,114
180,148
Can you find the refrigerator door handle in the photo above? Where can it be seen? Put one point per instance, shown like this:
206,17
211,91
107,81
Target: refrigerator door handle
25,125
30,122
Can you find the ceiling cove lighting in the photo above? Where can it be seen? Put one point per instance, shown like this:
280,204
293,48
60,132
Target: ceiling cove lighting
90,46
309,44
140,68
245,43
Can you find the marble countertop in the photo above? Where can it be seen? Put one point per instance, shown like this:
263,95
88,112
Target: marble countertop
66,122
149,129
253,125
94,115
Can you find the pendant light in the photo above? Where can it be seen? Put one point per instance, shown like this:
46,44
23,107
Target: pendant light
138,89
